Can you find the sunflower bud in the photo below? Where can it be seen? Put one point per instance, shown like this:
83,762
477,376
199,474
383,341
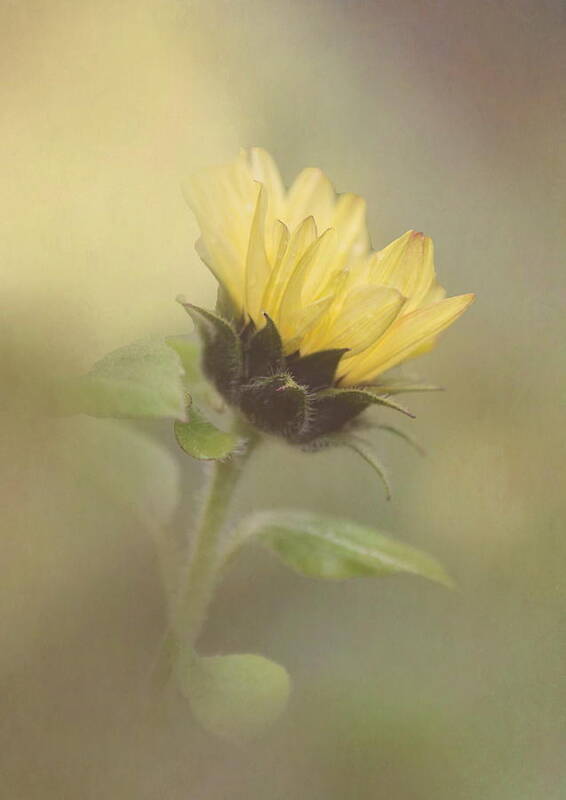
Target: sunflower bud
309,316
293,396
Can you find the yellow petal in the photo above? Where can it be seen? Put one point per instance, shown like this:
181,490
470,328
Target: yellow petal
304,320
408,265
277,243
337,289
403,337
349,220
265,170
223,200
434,295
293,301
311,194
257,264
298,243
366,313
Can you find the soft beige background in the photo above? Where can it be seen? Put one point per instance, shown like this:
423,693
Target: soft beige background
449,117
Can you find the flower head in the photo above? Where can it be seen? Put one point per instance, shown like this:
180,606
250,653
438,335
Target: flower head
297,265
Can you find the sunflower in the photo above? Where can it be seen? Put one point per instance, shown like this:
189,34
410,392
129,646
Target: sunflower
311,316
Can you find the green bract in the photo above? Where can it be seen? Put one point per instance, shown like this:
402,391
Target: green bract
292,396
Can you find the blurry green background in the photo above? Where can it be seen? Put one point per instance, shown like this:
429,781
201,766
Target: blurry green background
449,117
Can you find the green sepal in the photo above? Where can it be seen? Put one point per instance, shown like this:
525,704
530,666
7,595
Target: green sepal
189,349
368,396
140,380
201,439
222,352
364,449
276,405
317,370
402,435
403,387
333,408
327,547
236,696
264,352
225,306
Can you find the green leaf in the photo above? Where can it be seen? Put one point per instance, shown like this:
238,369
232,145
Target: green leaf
364,449
326,547
144,379
201,439
236,696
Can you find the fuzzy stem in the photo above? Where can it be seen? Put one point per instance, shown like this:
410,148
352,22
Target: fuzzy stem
206,559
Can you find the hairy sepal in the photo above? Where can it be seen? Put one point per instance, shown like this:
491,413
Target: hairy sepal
264,351
316,370
366,450
222,360
277,405
332,409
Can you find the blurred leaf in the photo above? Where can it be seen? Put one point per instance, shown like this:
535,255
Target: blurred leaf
235,696
201,439
326,547
144,379
189,351
131,470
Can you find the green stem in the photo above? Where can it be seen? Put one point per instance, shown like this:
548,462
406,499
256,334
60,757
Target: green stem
206,559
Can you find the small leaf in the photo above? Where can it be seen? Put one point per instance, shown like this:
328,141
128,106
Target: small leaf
326,547
144,379
201,439
366,450
236,696
222,354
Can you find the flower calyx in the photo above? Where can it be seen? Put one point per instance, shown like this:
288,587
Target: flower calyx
292,396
